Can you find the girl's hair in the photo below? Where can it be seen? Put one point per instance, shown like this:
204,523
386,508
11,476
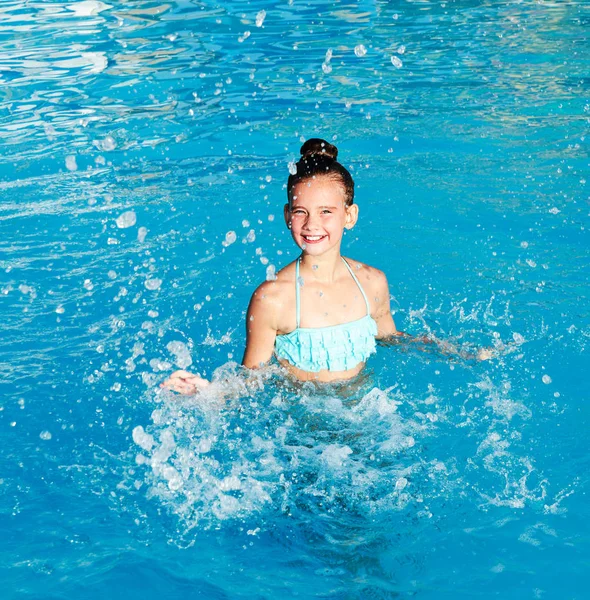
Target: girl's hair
318,159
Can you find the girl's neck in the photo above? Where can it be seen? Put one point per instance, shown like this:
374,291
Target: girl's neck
324,268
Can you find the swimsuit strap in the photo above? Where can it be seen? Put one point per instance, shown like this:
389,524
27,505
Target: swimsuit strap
297,294
360,286
297,302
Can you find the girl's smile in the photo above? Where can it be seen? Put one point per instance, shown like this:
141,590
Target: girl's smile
313,239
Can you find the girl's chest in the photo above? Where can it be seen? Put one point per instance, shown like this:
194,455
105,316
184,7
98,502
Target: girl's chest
323,305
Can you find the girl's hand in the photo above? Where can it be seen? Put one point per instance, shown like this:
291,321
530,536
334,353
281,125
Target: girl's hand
185,383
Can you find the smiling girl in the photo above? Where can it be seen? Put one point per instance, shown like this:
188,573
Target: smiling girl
321,316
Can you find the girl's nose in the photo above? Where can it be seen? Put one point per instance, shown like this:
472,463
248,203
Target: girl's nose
310,221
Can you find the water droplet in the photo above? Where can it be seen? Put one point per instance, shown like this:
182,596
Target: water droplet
152,284
71,164
45,435
230,238
260,18
251,237
182,356
108,143
293,168
401,483
360,50
141,233
271,273
401,49
396,62
127,219
546,379
142,439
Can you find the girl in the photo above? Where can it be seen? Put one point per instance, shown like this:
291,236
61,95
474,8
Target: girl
322,314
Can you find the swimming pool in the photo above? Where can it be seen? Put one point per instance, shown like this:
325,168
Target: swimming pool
145,149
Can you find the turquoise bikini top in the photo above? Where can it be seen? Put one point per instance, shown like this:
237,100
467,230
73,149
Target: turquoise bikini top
336,348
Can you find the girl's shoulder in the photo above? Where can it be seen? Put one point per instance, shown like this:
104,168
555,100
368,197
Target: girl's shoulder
274,290
369,277
273,301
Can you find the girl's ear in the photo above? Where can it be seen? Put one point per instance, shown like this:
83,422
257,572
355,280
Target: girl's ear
287,215
352,215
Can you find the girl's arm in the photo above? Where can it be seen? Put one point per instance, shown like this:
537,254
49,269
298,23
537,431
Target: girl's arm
260,339
386,329
261,326
389,335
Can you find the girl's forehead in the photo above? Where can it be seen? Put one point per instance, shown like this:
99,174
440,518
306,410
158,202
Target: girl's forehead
318,191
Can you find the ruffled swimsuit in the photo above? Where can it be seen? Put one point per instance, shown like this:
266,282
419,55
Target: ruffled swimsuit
336,348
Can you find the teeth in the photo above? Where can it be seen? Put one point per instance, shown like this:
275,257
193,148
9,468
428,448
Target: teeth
313,238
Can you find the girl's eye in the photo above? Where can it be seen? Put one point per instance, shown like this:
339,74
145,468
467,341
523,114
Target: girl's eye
326,212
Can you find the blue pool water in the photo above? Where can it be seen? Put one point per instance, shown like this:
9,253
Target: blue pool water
144,152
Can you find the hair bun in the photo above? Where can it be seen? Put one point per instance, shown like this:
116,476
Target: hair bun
318,146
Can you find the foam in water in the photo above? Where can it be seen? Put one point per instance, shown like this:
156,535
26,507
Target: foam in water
260,450
88,8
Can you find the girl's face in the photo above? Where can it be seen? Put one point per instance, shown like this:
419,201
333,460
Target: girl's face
318,215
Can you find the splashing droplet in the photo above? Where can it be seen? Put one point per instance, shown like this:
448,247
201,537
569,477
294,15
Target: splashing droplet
127,219
271,273
71,164
108,143
230,238
360,50
396,62
152,284
142,439
260,18
182,356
